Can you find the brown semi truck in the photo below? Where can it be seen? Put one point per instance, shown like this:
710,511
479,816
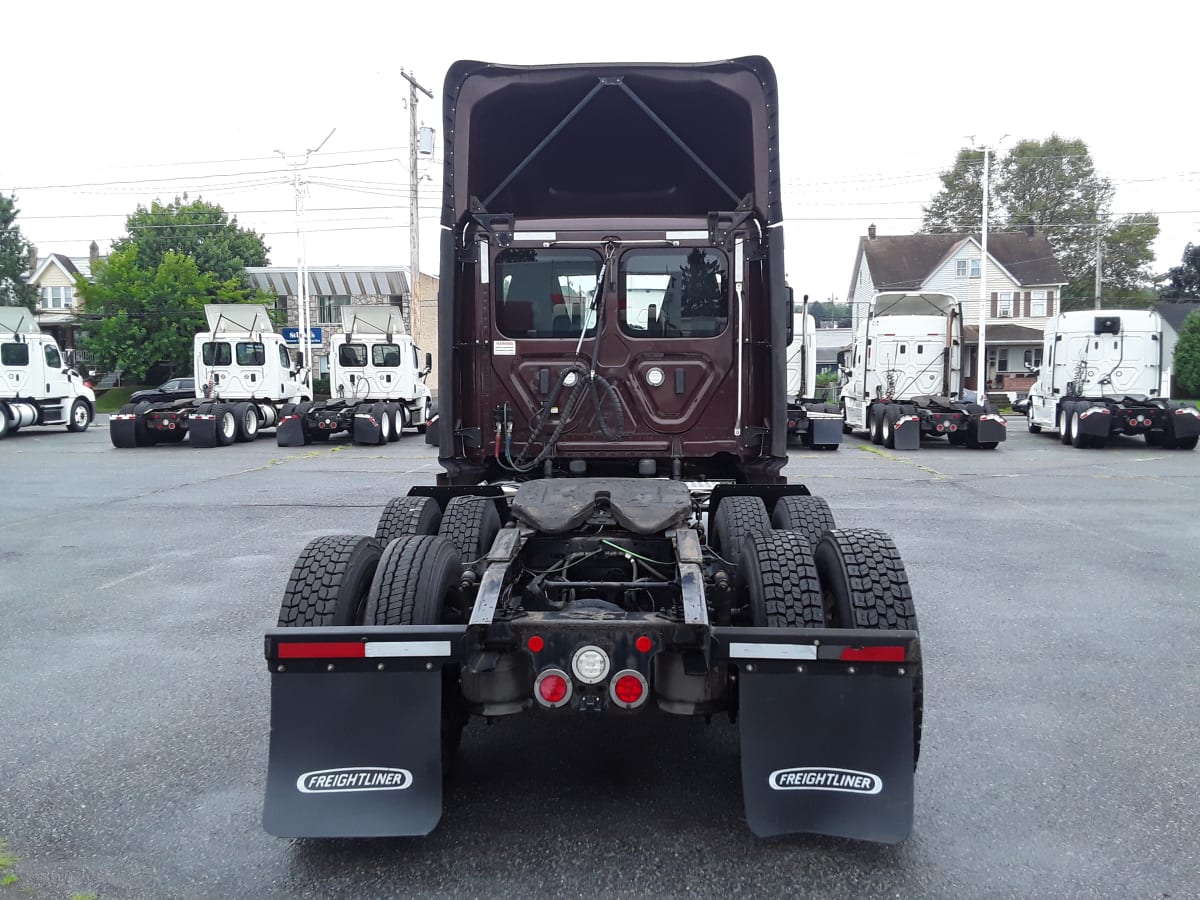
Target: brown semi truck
612,531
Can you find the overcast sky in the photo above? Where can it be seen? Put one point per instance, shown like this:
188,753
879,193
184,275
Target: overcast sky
121,103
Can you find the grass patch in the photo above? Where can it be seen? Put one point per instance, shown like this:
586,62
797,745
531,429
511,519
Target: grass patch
113,399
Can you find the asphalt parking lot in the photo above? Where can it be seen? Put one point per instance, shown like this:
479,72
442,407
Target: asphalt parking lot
1056,590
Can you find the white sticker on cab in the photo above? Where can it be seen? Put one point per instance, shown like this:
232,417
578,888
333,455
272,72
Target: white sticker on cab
504,348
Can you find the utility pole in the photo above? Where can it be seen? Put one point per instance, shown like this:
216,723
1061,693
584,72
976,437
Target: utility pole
1099,262
981,377
414,225
302,312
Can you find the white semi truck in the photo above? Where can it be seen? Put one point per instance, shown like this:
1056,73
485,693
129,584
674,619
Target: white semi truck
246,380
377,381
815,421
903,378
36,386
1103,373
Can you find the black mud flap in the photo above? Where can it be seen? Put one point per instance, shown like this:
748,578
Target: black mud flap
1184,424
354,754
202,429
366,429
827,753
990,428
1097,422
825,432
122,430
906,433
290,432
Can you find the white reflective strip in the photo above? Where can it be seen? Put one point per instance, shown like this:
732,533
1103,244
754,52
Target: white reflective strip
408,648
687,235
770,651
536,236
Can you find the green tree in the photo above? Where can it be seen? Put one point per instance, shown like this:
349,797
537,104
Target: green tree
201,230
147,300
14,258
1184,279
958,205
1187,357
137,315
1052,185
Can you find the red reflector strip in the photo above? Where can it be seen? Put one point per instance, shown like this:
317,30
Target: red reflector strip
873,654
323,650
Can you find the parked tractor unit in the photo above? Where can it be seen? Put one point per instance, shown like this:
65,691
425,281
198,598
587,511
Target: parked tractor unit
246,380
36,386
903,378
1103,374
377,381
611,533
814,421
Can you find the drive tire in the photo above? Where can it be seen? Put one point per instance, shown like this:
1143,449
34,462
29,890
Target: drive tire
471,524
330,582
383,415
875,423
396,418
1065,413
80,418
408,516
737,518
780,581
246,416
810,516
891,415
227,426
864,585
413,585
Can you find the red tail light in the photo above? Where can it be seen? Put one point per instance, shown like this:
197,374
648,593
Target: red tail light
628,689
535,643
552,688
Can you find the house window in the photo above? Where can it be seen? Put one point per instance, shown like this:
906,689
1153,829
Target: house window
1033,357
974,268
328,306
1004,307
1037,304
281,302
1002,359
62,297
960,268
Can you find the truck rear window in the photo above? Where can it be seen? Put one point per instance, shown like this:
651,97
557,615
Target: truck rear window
353,355
673,293
545,293
216,353
386,356
251,353
14,354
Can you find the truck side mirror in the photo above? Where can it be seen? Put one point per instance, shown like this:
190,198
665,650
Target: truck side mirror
841,359
299,360
428,366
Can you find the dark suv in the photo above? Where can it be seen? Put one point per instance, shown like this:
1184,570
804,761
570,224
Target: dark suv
173,389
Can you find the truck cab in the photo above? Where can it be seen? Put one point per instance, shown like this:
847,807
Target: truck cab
241,357
37,387
375,358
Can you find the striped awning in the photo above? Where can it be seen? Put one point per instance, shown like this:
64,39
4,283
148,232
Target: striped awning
351,282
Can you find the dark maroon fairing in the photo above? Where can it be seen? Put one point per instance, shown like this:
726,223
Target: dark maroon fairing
670,174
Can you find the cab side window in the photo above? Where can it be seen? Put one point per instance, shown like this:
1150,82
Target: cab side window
53,360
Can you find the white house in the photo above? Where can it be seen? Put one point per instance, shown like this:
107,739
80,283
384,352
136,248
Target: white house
57,307
1024,286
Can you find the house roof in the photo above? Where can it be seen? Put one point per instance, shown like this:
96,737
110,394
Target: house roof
904,262
1175,313
1004,334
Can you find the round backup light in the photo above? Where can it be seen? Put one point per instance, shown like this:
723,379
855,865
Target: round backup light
628,689
655,377
590,664
552,688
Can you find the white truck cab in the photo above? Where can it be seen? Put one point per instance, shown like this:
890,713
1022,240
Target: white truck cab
241,357
375,359
37,387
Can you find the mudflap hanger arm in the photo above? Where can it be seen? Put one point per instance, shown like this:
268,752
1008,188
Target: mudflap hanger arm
356,739
826,727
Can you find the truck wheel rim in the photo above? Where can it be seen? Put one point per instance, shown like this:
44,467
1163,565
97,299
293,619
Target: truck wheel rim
81,414
250,422
228,425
